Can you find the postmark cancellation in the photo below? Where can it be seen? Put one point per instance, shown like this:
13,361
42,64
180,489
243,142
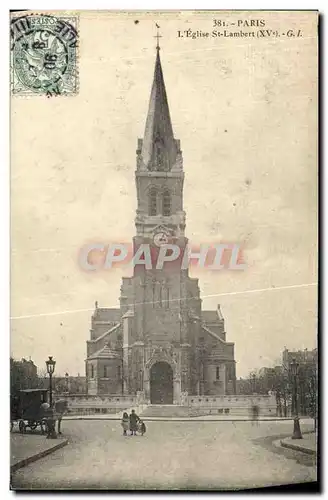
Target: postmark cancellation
44,55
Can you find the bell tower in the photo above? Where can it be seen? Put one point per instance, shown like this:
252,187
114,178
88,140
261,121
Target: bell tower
159,175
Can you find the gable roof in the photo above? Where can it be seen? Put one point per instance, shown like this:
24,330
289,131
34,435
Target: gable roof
105,353
103,335
107,314
216,336
210,316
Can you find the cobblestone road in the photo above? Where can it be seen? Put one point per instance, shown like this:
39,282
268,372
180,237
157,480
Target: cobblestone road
179,455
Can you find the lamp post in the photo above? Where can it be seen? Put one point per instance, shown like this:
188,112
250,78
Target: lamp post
184,381
51,422
315,397
297,429
122,373
50,369
253,381
66,379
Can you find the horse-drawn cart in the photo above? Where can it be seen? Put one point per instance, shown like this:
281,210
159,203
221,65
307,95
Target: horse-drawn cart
28,409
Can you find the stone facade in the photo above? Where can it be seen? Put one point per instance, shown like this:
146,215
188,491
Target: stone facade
159,343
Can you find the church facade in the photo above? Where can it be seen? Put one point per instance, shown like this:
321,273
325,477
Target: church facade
159,343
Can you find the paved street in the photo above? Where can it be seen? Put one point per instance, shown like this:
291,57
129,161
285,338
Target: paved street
171,455
25,446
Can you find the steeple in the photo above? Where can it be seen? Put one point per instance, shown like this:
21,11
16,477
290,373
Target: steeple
159,148
159,173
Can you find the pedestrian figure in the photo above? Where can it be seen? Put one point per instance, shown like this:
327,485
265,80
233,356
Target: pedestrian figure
141,427
125,423
45,407
50,420
61,407
256,411
134,419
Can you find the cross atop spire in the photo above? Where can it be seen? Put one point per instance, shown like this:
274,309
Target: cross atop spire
158,36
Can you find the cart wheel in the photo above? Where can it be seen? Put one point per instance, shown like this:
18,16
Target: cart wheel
32,424
22,426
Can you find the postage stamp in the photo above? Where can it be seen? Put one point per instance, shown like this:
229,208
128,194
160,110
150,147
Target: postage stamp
44,55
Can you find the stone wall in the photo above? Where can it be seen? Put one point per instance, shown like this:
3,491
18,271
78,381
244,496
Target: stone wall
231,405
197,405
88,404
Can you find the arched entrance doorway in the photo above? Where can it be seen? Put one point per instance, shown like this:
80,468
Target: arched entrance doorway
161,384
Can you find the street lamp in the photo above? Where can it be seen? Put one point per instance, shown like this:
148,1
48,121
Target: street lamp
252,382
51,422
122,373
50,369
66,378
184,381
297,429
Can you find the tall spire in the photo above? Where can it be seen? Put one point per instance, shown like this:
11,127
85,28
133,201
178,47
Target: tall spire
159,148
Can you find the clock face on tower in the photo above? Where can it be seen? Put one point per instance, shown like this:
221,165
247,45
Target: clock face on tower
160,239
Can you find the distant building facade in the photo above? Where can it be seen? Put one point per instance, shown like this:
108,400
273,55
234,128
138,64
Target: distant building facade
69,384
159,342
307,378
280,380
23,375
302,357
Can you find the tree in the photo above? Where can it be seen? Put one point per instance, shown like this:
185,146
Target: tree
313,394
280,381
308,389
23,375
282,387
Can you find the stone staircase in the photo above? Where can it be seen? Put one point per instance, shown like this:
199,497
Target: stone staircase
165,411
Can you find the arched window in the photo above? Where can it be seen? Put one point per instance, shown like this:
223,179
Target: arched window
152,201
166,202
92,371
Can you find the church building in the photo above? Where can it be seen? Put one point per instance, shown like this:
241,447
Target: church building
159,343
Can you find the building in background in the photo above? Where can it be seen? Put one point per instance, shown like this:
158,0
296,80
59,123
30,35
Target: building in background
23,375
279,380
307,378
71,384
302,357
159,342
64,384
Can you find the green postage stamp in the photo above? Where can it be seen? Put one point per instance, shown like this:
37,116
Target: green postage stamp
44,55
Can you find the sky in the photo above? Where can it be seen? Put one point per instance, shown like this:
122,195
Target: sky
245,112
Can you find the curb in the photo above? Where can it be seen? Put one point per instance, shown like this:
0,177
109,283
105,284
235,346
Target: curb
178,419
37,456
297,447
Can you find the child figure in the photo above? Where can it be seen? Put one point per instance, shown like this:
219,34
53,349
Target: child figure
134,419
125,423
141,427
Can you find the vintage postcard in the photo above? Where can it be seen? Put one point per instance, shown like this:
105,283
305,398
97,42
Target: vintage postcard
164,214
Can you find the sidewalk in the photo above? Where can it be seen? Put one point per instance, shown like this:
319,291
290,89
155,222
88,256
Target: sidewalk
27,448
306,445
214,418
